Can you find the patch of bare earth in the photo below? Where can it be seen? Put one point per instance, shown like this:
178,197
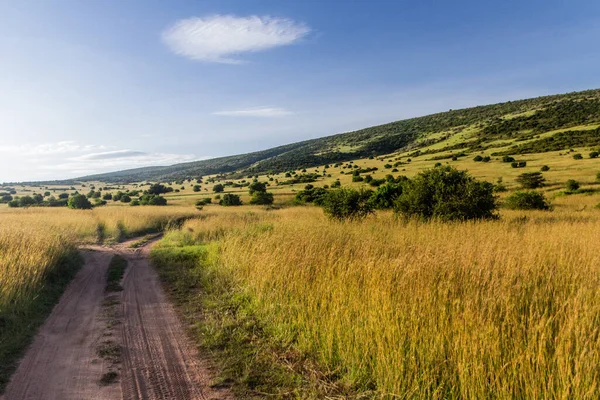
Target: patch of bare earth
120,345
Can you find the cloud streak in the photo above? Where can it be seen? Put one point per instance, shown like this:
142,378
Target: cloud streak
258,112
219,38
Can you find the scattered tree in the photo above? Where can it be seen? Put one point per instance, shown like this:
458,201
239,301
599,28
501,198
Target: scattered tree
230,199
79,202
347,203
531,180
528,200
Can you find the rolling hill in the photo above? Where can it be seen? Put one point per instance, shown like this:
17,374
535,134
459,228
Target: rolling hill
516,127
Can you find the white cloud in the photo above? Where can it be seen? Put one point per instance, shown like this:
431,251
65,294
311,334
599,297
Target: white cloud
64,147
217,38
69,159
261,112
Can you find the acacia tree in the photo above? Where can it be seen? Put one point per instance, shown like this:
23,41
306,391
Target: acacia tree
531,180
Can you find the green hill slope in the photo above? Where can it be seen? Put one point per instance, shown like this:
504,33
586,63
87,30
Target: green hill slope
525,126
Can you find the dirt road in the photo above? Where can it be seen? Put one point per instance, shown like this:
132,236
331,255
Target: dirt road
124,345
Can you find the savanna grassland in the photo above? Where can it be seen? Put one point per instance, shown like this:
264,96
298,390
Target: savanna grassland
501,299
395,309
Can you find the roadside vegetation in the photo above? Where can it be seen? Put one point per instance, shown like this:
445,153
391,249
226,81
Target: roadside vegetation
379,306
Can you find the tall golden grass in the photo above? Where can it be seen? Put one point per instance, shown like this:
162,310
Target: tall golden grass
32,240
498,309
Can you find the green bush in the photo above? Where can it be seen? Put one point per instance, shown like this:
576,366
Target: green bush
79,202
529,200
478,158
447,194
158,188
6,198
577,156
196,188
26,201
262,198
545,168
230,199
508,159
257,186
152,200
218,188
347,203
107,196
204,201
572,185
531,180
125,198
338,184
594,154
385,196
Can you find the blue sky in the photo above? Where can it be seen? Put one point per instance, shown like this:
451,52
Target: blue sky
90,86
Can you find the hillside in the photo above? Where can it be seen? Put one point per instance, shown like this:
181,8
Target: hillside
535,125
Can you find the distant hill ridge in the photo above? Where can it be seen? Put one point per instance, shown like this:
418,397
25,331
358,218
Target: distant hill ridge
471,129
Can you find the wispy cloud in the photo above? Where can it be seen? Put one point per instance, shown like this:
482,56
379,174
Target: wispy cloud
110,155
64,147
70,159
261,112
218,38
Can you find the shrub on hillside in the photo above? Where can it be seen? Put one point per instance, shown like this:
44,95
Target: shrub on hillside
577,156
531,180
311,194
152,200
262,198
158,188
257,186
79,202
347,203
385,195
125,198
572,185
545,168
508,159
218,188
447,194
594,154
204,201
528,200
230,199
478,158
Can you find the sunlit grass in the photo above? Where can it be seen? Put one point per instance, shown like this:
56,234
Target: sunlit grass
500,309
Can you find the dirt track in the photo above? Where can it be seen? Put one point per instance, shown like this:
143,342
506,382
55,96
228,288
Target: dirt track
156,360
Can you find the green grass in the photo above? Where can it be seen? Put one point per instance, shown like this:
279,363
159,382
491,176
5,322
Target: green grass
116,269
17,329
222,321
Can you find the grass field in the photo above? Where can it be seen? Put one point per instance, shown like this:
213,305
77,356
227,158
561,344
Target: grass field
295,305
499,309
